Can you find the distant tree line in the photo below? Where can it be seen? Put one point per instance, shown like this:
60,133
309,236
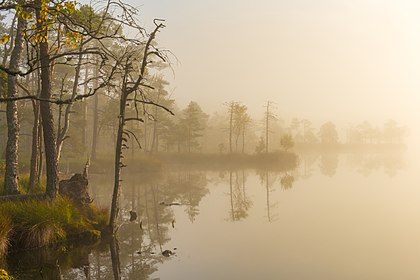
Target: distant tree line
193,130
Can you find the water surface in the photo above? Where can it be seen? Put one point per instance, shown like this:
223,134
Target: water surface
337,216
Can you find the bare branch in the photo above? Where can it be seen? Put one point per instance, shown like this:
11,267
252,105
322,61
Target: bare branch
145,57
152,103
54,101
133,119
134,135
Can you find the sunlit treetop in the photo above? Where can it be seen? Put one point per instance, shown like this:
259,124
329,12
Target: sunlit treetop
4,38
41,17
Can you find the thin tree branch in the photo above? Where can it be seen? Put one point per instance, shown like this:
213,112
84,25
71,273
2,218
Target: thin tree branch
150,103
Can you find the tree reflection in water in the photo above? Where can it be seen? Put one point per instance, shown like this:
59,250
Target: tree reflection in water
366,163
137,252
328,164
239,201
286,181
267,179
138,248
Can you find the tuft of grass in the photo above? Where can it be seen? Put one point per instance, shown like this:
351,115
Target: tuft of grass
37,223
5,226
98,217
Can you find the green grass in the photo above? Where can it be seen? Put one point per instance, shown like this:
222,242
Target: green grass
37,223
23,183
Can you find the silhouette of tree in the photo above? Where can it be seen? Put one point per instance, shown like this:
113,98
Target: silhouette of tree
191,126
286,141
328,164
328,133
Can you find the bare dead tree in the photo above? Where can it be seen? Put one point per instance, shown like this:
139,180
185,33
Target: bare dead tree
131,91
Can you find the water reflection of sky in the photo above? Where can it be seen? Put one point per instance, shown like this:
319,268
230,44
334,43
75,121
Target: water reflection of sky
347,226
347,216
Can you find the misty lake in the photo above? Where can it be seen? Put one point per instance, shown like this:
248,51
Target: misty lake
337,216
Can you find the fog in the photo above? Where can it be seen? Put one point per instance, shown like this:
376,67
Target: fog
280,141
346,61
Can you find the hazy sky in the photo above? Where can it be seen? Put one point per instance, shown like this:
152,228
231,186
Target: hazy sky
340,60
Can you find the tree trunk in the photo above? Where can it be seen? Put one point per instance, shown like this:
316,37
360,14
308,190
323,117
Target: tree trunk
146,133
155,142
266,126
125,92
40,153
84,109
115,258
154,136
36,149
46,112
95,117
153,147
189,140
243,139
11,178
118,164
230,127
63,132
132,146
33,175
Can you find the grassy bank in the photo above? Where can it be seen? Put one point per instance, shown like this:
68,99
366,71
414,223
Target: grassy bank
37,223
